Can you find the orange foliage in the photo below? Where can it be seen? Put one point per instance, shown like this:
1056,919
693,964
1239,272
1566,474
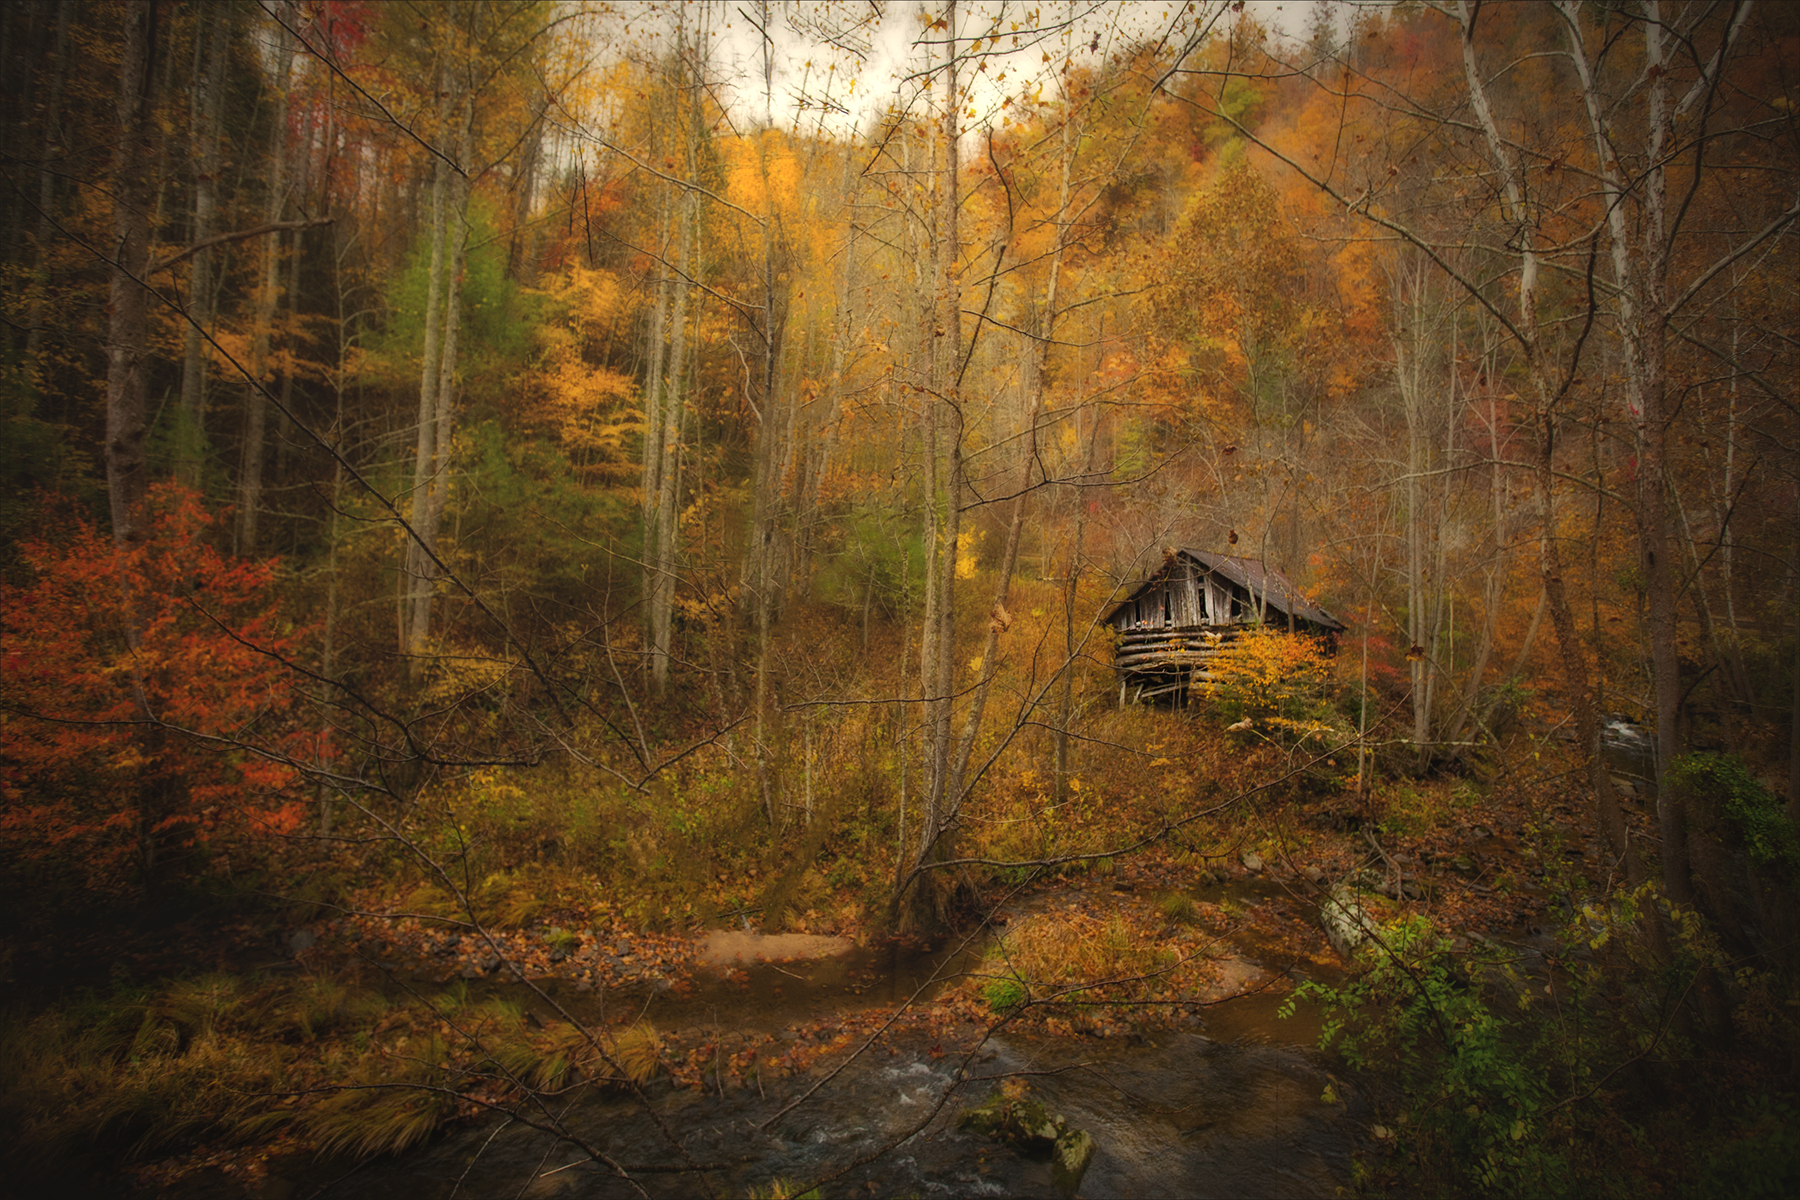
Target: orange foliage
103,635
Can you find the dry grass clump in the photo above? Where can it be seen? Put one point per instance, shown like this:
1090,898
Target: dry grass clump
136,1075
503,900
638,1051
1178,908
392,1103
562,1056
1050,954
223,1058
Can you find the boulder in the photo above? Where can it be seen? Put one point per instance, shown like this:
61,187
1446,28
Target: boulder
1346,922
1252,861
1069,1161
1025,1125
1033,1130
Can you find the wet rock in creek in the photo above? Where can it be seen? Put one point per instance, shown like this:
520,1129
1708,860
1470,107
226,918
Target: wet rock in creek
1069,1161
1033,1130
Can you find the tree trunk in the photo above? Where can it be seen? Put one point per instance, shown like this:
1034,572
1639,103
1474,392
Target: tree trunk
998,618
46,220
1647,373
1793,797
444,394
1608,815
661,558
418,574
662,528
256,408
208,107
127,471
944,487
134,158
1065,699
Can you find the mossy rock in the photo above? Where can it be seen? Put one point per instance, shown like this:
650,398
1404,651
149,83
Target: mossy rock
1069,1161
1034,1131
1025,1125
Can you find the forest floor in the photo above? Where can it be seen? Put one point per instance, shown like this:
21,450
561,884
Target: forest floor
1157,940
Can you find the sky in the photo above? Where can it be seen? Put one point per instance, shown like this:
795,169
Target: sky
843,63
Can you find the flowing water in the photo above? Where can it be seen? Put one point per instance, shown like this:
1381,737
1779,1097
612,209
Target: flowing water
1232,1106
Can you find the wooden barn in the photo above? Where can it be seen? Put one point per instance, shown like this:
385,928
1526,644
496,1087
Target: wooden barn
1172,624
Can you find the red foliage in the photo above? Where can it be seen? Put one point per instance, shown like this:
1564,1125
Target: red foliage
104,635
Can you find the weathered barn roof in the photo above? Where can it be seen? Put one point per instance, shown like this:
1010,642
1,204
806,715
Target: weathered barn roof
1250,574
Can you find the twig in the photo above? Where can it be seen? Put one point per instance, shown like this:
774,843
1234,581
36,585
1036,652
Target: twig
490,1141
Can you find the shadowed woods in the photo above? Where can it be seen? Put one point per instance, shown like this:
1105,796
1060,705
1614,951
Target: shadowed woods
770,600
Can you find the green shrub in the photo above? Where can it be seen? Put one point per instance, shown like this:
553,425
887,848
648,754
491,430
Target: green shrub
1479,1099
1749,809
1762,1163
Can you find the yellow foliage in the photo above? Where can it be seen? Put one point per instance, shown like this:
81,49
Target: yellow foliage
967,561
1276,678
592,409
460,670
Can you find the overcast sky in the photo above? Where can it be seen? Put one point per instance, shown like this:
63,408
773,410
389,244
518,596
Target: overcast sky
843,63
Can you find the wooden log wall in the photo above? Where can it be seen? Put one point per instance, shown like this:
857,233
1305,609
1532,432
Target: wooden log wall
1158,650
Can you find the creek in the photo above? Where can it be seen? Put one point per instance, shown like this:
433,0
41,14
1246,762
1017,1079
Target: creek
1231,1105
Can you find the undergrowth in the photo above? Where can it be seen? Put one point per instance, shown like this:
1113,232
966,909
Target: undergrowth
1585,1074
224,1060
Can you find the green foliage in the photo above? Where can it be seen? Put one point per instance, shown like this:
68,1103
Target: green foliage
1416,807
1004,994
1178,908
1762,1162
1480,1099
529,525
1132,448
878,558
35,459
496,321
1750,810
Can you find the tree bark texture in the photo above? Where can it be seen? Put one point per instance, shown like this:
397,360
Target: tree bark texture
256,405
134,163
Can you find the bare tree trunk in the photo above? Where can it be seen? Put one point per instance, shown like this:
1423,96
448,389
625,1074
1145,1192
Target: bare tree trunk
661,556
945,364
1653,521
256,410
1494,594
1065,700
656,355
418,576
46,222
127,472
1609,816
943,424
208,107
1793,802
998,618
443,436
765,527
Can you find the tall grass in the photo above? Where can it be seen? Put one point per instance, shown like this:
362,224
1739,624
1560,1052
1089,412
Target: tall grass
224,1059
